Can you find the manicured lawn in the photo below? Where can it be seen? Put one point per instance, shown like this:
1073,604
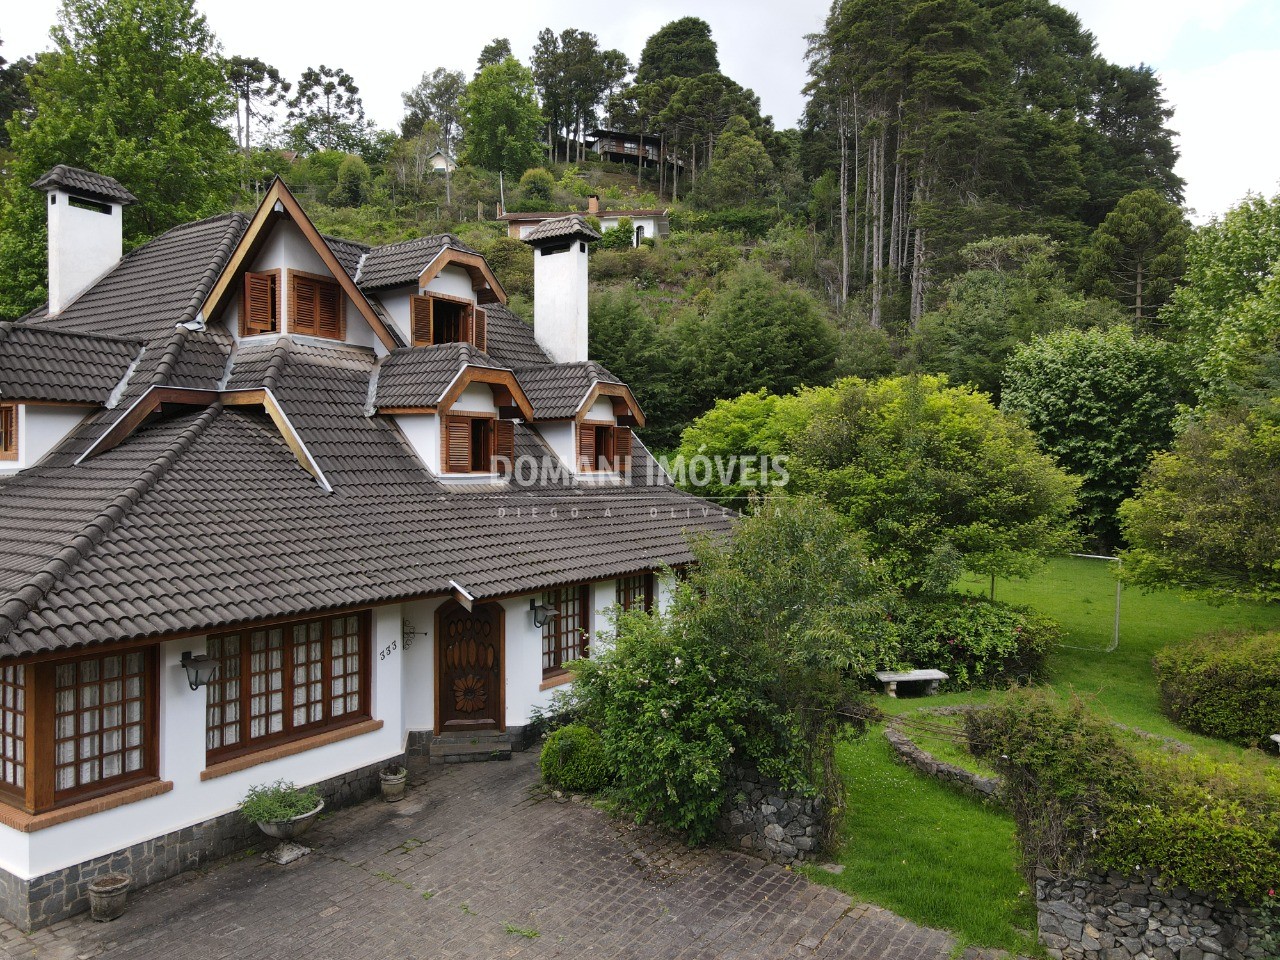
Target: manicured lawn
928,853
939,858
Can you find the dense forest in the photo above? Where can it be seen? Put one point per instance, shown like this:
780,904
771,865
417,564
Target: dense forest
972,192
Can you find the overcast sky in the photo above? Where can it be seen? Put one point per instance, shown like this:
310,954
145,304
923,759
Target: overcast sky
1219,59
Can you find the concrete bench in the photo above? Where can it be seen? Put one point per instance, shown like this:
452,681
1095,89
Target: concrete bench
891,679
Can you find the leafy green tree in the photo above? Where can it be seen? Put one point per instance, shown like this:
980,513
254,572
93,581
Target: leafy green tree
758,333
682,48
133,89
937,479
1206,517
258,87
1137,254
1227,309
437,99
326,110
1102,403
537,188
503,119
353,182
14,96
495,51
740,171
1012,292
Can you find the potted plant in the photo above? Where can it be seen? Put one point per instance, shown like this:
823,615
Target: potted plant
107,895
393,781
283,812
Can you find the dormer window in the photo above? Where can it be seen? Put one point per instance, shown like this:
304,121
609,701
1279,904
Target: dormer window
315,306
477,444
260,310
438,318
8,431
603,447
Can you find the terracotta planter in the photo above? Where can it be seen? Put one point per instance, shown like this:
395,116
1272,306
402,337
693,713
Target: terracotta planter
107,895
393,783
290,829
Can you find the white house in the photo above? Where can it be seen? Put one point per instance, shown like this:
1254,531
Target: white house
644,223
387,510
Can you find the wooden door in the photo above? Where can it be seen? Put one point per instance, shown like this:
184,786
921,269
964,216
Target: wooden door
469,674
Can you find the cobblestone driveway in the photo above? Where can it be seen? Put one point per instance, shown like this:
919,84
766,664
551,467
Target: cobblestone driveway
477,863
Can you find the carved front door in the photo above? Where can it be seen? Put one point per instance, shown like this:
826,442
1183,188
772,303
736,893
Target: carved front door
469,667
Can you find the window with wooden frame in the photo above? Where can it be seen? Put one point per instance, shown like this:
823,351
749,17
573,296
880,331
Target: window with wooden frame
603,446
437,318
636,593
260,304
565,636
8,431
476,443
75,729
286,681
316,307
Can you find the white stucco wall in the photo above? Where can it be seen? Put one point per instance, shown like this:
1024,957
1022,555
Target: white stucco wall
41,427
453,281
560,303
475,398
83,245
182,758
422,430
287,249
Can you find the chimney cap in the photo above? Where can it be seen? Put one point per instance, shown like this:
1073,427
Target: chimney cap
85,183
562,228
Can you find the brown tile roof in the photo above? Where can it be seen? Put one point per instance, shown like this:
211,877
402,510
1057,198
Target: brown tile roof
398,264
571,226
42,363
557,390
419,376
85,183
155,286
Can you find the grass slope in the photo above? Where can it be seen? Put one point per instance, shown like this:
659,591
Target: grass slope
929,853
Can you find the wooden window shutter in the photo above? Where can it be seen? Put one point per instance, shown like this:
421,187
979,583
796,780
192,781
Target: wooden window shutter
420,320
622,449
457,444
302,291
504,446
8,432
586,447
329,319
480,329
261,304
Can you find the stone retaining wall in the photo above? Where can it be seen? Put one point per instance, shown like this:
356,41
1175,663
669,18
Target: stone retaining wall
35,903
985,788
1113,917
768,821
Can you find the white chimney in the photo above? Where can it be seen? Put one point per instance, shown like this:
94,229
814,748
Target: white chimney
560,287
86,229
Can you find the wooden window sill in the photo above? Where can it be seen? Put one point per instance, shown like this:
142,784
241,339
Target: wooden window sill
556,680
31,822
282,750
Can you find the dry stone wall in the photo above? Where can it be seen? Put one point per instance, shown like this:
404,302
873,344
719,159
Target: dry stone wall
761,817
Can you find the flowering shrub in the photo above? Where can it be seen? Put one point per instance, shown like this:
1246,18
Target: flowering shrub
1081,798
975,641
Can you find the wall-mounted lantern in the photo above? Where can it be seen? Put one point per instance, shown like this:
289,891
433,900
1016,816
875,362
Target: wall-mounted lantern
200,667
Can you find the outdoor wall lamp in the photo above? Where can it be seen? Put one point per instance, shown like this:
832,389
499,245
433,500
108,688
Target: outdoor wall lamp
541,612
200,668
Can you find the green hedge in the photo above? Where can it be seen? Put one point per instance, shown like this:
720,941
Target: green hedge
1083,799
1225,685
573,758
975,641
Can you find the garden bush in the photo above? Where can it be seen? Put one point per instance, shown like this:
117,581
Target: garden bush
1082,799
1225,685
573,758
975,641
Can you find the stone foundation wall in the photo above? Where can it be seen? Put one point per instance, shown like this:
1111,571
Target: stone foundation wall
31,904
763,818
984,788
1113,917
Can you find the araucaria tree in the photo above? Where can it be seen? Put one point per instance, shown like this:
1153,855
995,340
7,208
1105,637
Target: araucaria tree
503,119
1136,255
133,89
326,110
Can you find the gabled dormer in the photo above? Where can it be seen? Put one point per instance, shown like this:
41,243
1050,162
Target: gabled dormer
285,278
586,415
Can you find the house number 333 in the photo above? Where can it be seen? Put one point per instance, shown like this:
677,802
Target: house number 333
387,651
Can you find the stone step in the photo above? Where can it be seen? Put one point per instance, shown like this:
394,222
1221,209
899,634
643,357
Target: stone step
469,749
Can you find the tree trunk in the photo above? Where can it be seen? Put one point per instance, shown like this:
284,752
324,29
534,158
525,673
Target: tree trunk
842,128
1137,293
